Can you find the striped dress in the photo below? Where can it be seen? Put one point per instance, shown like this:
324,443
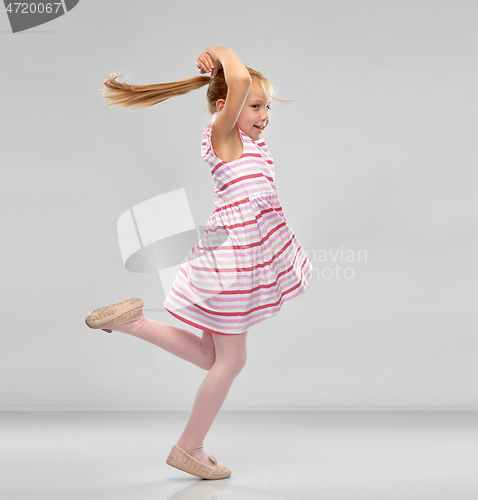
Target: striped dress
248,262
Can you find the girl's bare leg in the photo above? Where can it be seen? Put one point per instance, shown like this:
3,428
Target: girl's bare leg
231,354
223,355
177,341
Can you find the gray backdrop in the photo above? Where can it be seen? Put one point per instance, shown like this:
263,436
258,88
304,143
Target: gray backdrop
377,159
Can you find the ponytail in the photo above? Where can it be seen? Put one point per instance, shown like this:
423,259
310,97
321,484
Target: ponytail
126,95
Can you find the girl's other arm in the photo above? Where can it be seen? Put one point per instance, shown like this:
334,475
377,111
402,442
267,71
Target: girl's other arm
238,82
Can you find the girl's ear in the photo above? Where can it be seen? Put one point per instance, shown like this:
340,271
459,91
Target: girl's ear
220,104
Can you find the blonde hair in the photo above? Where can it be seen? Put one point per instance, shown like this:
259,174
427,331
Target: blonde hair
142,96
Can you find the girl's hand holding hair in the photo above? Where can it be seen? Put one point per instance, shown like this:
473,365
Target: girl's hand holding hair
208,61
205,63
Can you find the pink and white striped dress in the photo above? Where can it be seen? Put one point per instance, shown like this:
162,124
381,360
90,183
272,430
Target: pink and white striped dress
248,262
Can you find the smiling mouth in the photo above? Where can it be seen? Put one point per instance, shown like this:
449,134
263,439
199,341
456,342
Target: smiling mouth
260,128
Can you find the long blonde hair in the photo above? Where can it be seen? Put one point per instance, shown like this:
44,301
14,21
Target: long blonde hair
142,96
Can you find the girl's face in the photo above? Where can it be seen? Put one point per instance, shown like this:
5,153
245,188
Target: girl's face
254,116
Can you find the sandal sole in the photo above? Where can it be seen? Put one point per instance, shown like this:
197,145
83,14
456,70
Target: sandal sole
115,315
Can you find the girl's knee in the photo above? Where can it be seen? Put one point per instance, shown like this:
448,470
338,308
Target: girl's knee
233,364
242,365
239,362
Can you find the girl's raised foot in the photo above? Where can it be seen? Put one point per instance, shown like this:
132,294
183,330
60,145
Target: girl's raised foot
108,317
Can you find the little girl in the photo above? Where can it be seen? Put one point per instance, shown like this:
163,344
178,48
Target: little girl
248,262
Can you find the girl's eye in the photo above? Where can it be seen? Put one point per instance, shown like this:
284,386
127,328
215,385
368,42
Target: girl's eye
268,108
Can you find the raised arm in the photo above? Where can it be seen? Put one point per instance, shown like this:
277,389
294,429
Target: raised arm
238,82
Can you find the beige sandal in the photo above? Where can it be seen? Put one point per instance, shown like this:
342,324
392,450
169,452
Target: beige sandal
109,317
182,460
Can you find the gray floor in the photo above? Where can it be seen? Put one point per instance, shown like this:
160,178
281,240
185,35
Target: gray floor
289,454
